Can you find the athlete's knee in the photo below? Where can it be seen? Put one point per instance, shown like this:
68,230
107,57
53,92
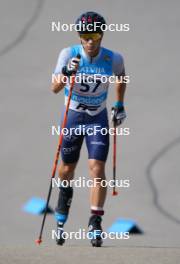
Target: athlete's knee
97,169
66,171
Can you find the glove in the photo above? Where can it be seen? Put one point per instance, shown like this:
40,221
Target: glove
118,114
72,66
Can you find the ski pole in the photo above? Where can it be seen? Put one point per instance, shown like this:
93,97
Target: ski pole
39,240
114,161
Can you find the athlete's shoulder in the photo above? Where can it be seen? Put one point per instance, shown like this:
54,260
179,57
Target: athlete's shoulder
115,56
118,56
117,63
75,50
107,52
65,53
111,51
70,50
63,58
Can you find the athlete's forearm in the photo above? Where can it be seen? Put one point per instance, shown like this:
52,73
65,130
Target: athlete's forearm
57,83
120,91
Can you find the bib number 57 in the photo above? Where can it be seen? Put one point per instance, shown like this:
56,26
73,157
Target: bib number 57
87,87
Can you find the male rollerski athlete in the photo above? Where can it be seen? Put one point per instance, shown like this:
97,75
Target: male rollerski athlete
88,108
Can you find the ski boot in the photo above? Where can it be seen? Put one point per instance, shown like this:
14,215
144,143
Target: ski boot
62,211
95,231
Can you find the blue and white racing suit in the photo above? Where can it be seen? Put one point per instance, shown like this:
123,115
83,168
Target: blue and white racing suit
88,102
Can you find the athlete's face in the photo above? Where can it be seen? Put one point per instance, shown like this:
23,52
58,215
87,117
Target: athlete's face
91,43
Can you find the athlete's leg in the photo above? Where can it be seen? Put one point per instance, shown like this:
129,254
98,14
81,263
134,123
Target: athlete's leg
98,191
97,199
66,170
70,155
70,152
66,173
98,147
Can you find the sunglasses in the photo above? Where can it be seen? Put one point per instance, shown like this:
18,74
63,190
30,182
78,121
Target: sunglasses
93,36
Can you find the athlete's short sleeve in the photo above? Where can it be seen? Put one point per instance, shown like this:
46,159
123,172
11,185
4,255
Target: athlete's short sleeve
118,64
63,59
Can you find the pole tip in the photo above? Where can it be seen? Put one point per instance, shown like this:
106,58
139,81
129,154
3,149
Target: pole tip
114,193
38,241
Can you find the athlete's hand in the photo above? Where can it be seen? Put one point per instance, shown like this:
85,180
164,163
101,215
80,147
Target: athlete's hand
118,114
72,67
